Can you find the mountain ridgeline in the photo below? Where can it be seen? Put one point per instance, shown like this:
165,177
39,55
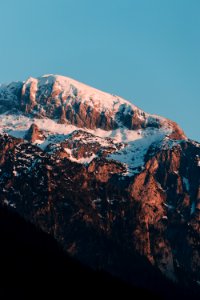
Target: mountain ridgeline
111,183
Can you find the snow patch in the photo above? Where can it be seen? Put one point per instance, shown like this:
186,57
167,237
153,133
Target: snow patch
82,160
186,183
133,155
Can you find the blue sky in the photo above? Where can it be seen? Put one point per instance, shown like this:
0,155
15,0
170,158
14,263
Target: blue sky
147,51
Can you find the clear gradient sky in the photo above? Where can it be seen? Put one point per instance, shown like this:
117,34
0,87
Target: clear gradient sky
147,51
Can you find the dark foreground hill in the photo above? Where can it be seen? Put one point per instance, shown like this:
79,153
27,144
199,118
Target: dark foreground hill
34,265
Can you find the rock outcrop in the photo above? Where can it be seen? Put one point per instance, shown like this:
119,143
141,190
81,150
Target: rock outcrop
72,102
34,134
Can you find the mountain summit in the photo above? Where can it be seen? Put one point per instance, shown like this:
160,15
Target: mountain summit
56,106
65,99
104,178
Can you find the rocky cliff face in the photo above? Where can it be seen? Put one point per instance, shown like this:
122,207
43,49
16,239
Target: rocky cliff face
125,178
72,102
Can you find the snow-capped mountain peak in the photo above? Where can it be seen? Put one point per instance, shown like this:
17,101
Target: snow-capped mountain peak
45,110
72,102
83,164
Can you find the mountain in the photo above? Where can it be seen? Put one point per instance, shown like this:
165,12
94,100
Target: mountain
107,180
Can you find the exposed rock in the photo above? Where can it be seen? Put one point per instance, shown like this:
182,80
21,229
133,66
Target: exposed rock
69,101
62,119
154,212
34,134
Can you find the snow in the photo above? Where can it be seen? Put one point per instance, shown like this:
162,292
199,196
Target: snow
136,142
92,139
17,125
38,142
17,133
82,160
6,91
186,183
68,151
68,91
95,97
62,87
98,200
169,206
15,173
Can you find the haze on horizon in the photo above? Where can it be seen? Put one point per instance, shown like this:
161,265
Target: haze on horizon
145,51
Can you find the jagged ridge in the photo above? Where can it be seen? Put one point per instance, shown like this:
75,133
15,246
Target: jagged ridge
75,103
